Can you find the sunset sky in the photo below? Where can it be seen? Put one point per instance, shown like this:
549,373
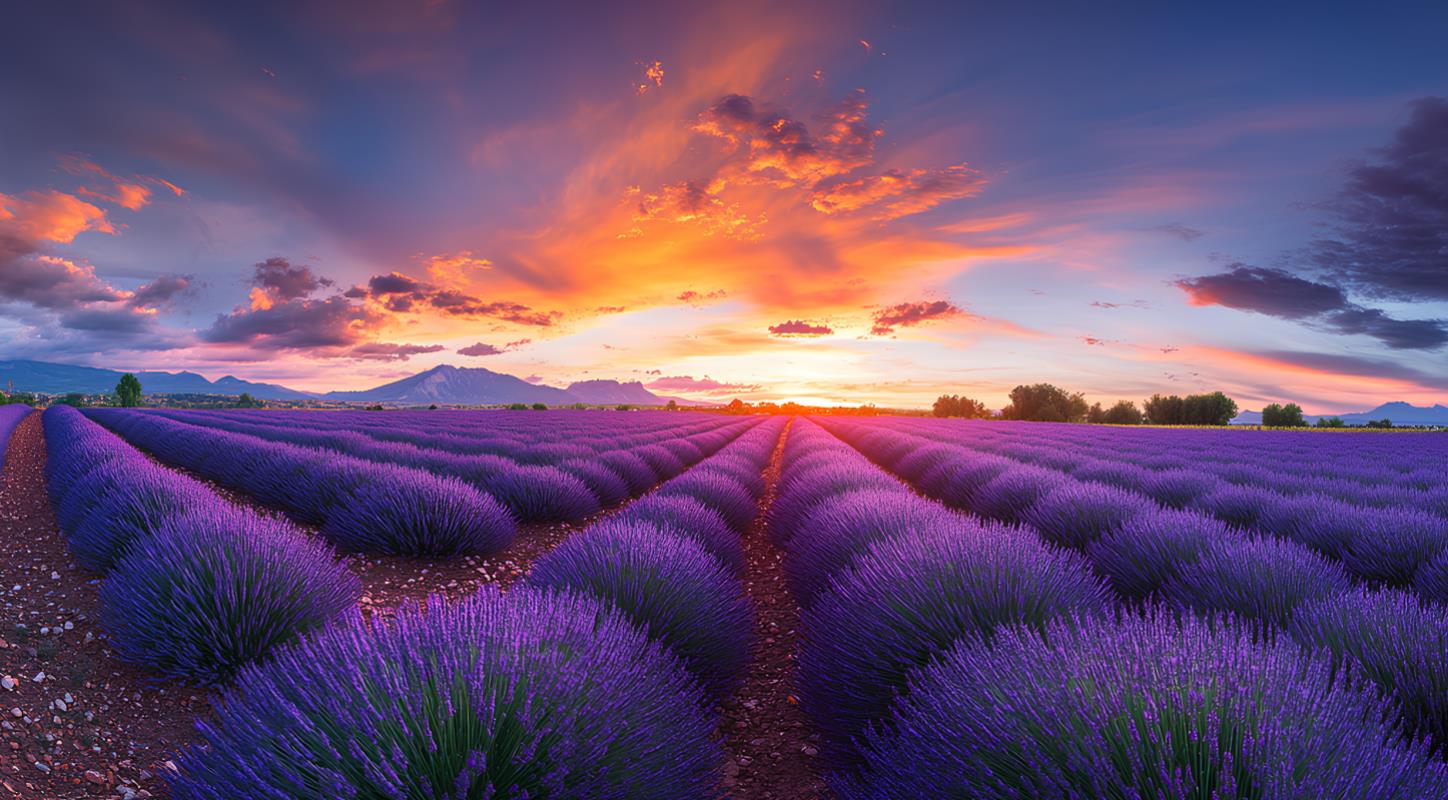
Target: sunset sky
828,203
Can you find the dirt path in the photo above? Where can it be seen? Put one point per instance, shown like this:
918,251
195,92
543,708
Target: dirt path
772,750
91,726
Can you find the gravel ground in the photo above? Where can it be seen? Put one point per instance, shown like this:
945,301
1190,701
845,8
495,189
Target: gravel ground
74,721
773,753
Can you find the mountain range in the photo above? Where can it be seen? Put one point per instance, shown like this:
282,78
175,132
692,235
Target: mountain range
49,378
445,384
1399,412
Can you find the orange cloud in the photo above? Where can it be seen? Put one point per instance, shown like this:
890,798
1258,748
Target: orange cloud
898,193
780,150
653,76
130,194
686,202
51,216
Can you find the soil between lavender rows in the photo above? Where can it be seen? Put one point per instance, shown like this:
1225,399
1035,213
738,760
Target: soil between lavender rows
94,726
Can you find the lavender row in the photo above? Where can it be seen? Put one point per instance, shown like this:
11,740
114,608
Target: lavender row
194,587
360,506
1200,565
1418,460
11,416
574,489
888,581
594,679
671,562
1388,546
545,439
1407,470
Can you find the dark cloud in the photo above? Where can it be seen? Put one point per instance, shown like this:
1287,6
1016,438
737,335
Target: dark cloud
1399,334
796,327
1281,294
53,283
1391,233
905,315
389,351
328,324
480,349
779,149
161,291
1273,292
400,294
283,281
1180,231
394,283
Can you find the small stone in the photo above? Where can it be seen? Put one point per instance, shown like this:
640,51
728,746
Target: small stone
8,683
94,777
43,767
39,676
59,705
55,576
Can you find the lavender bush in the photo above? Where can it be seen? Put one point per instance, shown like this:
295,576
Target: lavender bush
1141,707
526,695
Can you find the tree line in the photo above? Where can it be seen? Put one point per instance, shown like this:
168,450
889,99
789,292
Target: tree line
1044,402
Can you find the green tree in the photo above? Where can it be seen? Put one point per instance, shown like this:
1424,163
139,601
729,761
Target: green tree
1330,422
1280,416
1165,409
1124,412
1043,402
128,391
953,405
672,405
623,407
75,399
1383,423
1208,409
247,401
1195,409
540,406
517,406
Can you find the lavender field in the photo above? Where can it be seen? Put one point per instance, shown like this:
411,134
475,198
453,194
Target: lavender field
703,606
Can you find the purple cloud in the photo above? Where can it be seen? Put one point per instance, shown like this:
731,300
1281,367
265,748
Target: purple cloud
906,315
